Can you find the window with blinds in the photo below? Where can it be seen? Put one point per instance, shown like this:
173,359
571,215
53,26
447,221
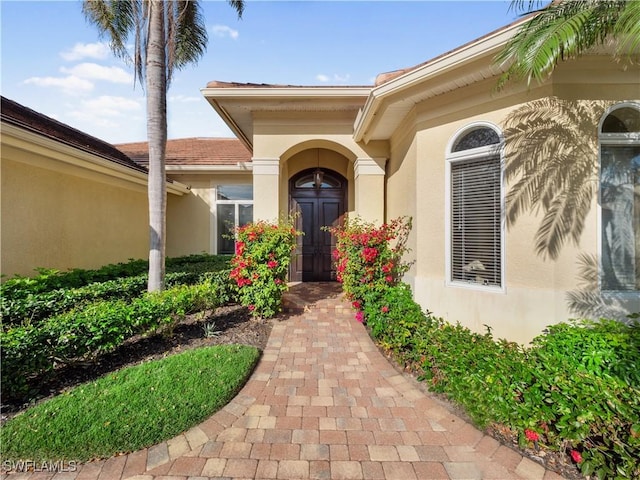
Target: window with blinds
476,210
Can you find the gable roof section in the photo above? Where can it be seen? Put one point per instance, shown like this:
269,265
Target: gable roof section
396,93
34,132
193,152
379,108
22,117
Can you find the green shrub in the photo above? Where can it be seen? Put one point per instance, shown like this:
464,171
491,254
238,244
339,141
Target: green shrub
30,350
261,264
26,305
575,390
394,317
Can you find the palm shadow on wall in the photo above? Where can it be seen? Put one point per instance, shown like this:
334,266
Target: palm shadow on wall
551,168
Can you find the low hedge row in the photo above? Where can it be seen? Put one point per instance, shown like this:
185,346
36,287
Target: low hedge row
36,306
30,350
575,390
50,279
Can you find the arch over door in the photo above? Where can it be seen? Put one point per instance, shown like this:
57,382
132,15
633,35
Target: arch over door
318,201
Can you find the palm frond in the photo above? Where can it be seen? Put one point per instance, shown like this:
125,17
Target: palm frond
559,31
627,29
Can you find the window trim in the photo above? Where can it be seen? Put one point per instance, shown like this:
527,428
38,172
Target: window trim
613,139
478,153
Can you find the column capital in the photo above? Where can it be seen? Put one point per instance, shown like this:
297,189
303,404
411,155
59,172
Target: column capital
369,166
266,166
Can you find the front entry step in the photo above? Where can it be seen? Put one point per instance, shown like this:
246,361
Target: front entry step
304,296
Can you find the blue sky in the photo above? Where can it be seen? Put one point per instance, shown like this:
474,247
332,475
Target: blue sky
54,62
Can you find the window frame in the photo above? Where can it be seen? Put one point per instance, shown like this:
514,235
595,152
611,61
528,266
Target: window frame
478,153
236,212
611,139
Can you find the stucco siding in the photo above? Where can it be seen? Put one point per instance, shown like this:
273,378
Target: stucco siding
535,282
60,220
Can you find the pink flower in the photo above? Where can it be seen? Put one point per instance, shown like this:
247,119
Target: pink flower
389,278
575,455
360,317
278,281
385,309
531,435
252,308
272,264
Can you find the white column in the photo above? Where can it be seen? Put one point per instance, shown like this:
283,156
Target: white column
266,188
369,188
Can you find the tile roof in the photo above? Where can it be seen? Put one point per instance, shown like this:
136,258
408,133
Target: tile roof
20,116
193,151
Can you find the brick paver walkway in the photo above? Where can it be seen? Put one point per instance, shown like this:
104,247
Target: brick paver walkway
323,403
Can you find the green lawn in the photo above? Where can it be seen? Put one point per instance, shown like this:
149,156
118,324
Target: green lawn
130,409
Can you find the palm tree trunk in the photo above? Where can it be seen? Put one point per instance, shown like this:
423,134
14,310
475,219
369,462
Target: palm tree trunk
157,136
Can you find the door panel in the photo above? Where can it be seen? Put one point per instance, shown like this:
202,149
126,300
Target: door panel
315,208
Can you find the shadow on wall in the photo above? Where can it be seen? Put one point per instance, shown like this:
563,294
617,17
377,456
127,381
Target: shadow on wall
551,160
552,169
588,301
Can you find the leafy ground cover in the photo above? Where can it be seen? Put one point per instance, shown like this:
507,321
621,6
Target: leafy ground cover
131,408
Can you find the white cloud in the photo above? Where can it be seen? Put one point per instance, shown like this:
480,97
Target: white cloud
224,31
108,105
321,77
70,85
185,99
79,51
109,117
99,72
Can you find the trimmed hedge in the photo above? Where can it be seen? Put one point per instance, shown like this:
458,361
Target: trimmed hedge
30,350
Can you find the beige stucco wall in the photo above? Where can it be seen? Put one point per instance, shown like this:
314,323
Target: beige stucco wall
191,219
535,287
66,220
293,139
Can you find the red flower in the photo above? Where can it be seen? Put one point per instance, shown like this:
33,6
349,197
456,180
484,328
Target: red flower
385,309
531,435
252,308
239,248
360,317
389,278
575,455
278,281
369,254
272,264
356,305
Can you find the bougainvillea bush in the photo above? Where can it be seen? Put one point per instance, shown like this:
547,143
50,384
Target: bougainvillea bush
261,264
369,258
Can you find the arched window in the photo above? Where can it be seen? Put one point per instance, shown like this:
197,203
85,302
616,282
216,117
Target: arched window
620,198
474,207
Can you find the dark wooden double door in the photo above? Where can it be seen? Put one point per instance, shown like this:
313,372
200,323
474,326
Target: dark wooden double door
315,208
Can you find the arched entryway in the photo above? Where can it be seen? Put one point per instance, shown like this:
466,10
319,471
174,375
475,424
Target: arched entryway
318,198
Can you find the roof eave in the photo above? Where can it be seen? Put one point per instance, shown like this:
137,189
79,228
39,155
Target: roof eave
214,95
379,98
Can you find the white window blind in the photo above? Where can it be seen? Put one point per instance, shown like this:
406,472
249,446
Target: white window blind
476,233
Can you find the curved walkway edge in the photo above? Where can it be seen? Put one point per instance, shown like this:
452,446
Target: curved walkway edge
323,403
